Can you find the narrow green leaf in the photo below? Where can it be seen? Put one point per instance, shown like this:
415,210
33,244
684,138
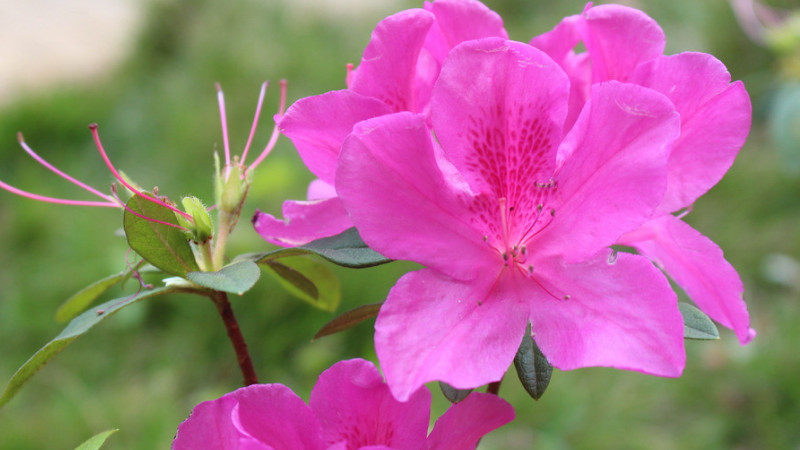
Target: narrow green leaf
696,324
161,245
308,279
96,441
236,278
533,369
452,394
83,298
345,249
74,329
349,319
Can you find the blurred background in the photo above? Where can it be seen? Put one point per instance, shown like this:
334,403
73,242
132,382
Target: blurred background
145,71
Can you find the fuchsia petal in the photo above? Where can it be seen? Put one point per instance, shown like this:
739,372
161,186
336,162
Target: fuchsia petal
276,416
209,425
618,38
398,198
461,426
614,172
317,126
501,134
699,267
353,404
458,21
621,312
304,221
388,67
435,328
715,121
261,416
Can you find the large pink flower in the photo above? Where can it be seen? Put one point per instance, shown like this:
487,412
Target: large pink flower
625,44
397,73
350,408
510,234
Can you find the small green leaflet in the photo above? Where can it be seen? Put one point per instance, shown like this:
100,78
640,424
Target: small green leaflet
696,324
96,441
163,246
236,278
452,394
345,249
308,279
77,327
349,319
533,369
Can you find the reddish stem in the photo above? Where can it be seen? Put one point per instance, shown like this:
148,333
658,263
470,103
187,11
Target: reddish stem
220,300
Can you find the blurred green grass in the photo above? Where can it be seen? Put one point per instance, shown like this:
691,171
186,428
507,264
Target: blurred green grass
143,370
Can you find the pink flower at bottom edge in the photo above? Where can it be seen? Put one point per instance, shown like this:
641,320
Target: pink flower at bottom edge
350,408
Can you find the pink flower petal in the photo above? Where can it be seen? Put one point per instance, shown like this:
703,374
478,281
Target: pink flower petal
435,328
317,126
353,404
276,416
501,134
210,425
621,312
458,21
619,38
261,416
614,171
388,67
393,187
715,121
699,267
464,423
304,221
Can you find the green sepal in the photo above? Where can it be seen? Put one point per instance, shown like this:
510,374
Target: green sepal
163,246
696,324
452,394
96,441
349,319
236,278
308,279
533,369
201,228
77,327
346,249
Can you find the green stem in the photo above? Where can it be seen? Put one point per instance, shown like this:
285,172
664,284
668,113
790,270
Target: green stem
220,300
226,224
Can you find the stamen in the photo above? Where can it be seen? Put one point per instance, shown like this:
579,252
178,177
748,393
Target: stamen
40,160
273,139
99,145
255,120
224,120
59,201
149,219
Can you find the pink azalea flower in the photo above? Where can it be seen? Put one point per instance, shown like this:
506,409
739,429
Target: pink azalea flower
350,408
625,44
509,234
397,73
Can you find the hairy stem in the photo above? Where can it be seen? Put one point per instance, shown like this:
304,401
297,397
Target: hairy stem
220,299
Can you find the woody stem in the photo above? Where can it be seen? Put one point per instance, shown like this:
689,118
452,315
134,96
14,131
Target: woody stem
220,300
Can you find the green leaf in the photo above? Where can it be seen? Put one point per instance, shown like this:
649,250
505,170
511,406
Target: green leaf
349,319
696,324
345,249
533,369
452,394
236,278
96,441
307,279
83,298
161,245
74,329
